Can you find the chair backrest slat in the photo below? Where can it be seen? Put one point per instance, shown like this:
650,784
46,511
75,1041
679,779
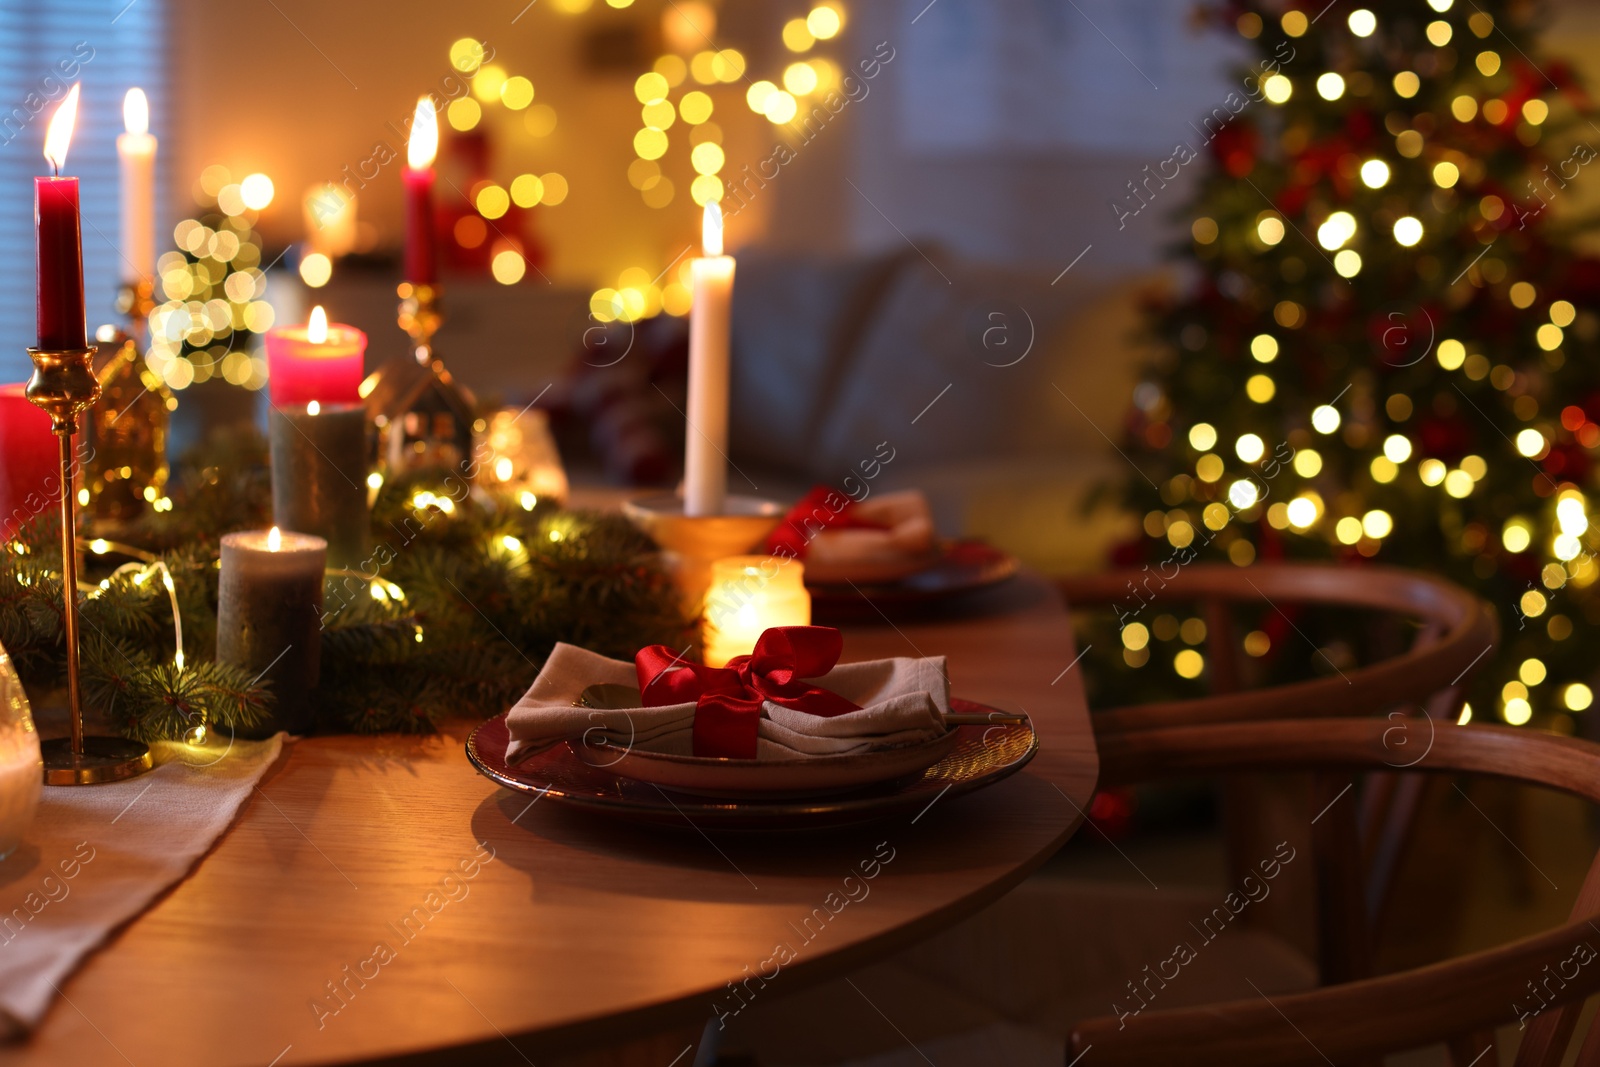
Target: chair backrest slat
1451,1001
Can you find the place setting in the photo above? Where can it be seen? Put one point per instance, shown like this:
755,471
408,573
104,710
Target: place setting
799,533
782,737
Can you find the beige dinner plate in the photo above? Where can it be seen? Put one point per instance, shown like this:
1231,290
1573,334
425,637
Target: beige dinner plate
748,779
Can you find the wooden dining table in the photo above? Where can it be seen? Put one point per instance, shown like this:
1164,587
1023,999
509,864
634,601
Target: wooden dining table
377,900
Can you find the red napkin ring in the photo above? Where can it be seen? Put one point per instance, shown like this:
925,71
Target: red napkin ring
728,699
821,509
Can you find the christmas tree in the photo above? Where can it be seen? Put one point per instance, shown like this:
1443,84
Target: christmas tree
1388,349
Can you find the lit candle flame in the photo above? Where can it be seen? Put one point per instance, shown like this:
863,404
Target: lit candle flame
274,540
59,134
424,142
711,230
136,112
314,408
317,327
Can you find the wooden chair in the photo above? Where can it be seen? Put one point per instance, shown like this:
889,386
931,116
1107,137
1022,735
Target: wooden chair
1457,628
1453,1002
1361,846
1056,951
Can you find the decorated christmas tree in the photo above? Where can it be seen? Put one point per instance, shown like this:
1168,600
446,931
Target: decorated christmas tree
1388,349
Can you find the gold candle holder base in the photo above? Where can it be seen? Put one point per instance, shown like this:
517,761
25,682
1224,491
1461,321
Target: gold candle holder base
62,386
103,759
691,544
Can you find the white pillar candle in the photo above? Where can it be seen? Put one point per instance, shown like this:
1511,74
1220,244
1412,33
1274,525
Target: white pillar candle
136,153
705,463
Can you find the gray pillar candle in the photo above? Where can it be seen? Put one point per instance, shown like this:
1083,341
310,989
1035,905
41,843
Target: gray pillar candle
269,617
319,477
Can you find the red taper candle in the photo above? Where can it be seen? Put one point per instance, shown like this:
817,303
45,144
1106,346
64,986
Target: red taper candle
423,145
59,240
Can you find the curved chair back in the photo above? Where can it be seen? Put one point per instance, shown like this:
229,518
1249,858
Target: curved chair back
1457,630
1361,846
1457,1001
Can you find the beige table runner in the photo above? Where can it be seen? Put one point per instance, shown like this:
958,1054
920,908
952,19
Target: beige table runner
96,856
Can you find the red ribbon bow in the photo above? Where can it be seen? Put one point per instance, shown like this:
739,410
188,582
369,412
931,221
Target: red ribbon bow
821,509
728,699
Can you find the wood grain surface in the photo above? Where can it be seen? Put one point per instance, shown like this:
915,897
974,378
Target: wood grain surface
377,900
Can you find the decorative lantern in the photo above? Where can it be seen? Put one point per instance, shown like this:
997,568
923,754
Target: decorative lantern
521,457
126,470
422,418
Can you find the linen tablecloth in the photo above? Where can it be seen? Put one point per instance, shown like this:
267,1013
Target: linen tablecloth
97,855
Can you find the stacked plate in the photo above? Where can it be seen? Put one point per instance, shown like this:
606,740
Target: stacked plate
982,746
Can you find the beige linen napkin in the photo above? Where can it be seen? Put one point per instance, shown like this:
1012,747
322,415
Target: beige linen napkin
97,855
902,701
856,553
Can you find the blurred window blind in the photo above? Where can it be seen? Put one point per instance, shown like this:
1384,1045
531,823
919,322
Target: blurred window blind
109,46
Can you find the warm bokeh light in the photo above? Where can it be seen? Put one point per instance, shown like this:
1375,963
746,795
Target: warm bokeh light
508,266
797,36
1337,229
650,88
316,269
256,190
1408,230
466,54
526,189
516,93
824,22
799,78
695,107
463,113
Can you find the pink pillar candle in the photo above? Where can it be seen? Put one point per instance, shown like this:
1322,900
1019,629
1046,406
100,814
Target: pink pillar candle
301,370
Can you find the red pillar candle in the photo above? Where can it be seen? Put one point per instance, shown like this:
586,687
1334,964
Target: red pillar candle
60,244
423,145
316,362
30,461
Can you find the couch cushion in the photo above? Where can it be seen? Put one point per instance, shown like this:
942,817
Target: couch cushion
1010,364
795,321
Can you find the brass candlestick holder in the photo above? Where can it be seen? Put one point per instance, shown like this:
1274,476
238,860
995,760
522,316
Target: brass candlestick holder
690,544
127,469
422,416
62,386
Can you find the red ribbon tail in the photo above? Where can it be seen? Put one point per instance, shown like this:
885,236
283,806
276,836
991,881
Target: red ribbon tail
726,727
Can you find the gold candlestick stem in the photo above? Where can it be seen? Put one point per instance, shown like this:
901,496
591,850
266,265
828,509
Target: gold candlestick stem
69,582
62,386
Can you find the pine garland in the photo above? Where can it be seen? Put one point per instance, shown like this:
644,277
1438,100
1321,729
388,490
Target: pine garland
453,614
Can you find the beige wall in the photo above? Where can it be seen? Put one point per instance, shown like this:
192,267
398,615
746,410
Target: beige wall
304,93
258,89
